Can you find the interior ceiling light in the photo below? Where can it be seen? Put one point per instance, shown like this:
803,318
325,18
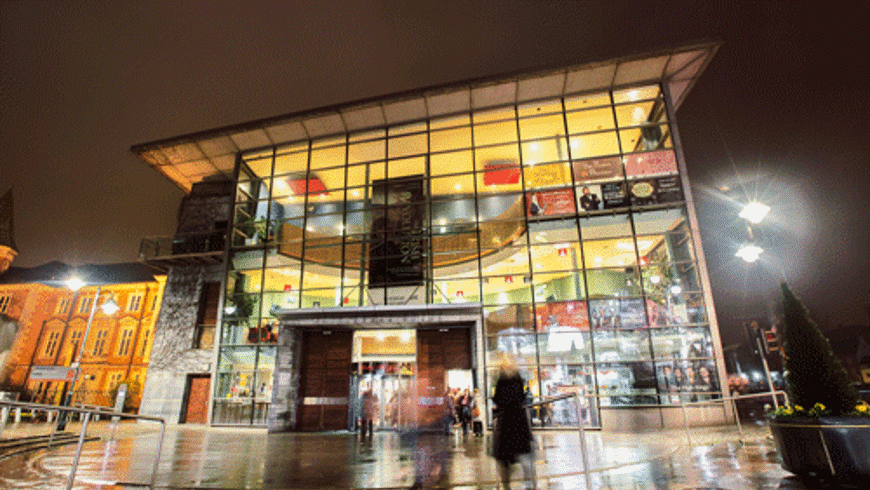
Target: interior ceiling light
750,253
754,212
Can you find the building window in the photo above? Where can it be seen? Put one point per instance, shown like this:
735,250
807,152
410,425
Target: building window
135,302
154,303
100,343
4,302
144,343
51,345
85,305
63,306
124,346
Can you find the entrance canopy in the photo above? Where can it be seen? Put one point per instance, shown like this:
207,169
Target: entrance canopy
192,158
405,316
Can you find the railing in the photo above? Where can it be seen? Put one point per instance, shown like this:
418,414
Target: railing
87,412
580,398
733,400
182,244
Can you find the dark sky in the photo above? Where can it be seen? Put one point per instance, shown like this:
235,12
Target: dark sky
781,113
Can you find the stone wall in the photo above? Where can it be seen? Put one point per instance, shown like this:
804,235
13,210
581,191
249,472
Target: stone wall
172,355
285,383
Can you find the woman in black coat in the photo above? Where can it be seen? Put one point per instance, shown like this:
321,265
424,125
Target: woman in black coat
512,437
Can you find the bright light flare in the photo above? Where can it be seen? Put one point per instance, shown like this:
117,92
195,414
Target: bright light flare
74,283
750,253
754,212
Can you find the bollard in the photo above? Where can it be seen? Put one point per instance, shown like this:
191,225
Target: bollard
17,415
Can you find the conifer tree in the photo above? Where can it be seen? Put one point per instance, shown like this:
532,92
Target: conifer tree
813,373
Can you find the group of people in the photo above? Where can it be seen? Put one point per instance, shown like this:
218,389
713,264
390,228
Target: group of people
463,408
688,383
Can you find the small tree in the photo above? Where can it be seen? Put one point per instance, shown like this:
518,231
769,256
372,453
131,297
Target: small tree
813,373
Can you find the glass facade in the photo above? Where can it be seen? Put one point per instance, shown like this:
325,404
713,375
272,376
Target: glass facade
564,219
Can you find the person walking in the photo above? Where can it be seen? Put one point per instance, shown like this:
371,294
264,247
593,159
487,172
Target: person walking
465,404
512,434
370,405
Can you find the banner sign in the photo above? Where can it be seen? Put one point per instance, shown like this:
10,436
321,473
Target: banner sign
655,191
52,373
397,239
550,203
597,169
662,162
501,173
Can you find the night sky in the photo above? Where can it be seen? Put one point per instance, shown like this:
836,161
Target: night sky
780,114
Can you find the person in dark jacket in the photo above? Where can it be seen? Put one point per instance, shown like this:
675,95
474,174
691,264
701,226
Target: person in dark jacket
512,434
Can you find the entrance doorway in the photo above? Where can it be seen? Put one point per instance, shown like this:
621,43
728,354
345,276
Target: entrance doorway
196,406
385,363
324,381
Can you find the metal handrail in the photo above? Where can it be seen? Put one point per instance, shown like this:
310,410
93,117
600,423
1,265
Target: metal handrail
87,415
732,399
581,430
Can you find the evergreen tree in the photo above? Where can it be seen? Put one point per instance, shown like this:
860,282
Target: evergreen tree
813,373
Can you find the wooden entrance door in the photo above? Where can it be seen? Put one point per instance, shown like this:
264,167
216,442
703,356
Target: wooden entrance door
198,386
324,382
438,351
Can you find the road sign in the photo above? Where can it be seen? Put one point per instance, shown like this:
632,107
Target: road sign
52,373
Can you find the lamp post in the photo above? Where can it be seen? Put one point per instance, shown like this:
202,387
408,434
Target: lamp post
109,307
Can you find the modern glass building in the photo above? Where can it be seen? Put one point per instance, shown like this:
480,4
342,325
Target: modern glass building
401,244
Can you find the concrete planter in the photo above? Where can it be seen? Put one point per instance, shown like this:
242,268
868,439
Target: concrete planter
827,447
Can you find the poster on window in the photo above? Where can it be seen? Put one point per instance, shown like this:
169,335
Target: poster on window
646,192
589,198
652,164
597,170
550,203
555,315
613,195
501,173
612,314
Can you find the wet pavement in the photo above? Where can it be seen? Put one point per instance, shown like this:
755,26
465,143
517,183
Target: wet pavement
229,458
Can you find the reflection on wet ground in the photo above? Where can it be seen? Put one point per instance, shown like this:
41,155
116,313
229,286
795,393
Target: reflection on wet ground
200,457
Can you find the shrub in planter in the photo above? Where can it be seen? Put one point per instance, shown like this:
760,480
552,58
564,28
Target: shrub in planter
825,431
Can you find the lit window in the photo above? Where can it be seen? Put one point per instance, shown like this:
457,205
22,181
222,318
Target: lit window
85,305
124,346
51,344
135,302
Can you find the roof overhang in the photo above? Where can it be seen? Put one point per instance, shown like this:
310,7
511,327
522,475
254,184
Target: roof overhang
189,159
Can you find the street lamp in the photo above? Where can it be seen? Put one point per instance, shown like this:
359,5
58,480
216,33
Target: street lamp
109,307
754,213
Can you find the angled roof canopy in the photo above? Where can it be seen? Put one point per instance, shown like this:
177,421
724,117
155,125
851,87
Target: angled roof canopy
189,159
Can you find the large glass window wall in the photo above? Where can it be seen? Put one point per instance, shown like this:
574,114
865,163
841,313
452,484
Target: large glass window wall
565,219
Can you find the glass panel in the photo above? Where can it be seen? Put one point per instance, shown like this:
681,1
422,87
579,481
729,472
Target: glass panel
561,380
235,387
548,126
618,282
451,163
453,211
260,165
508,319
686,381
291,159
367,151
539,108
522,347
455,291
586,101
496,157
676,309
503,290
682,343
621,345
611,314
545,150
605,226
632,383
493,115
639,113
495,133
263,396
407,145
449,122
453,186
636,93
558,286
646,138
594,145
406,167
556,257
592,120
565,347
509,262
562,317
614,252
501,207
320,298
450,139
328,156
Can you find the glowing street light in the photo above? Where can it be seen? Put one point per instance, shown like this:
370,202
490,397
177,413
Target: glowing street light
754,212
749,252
